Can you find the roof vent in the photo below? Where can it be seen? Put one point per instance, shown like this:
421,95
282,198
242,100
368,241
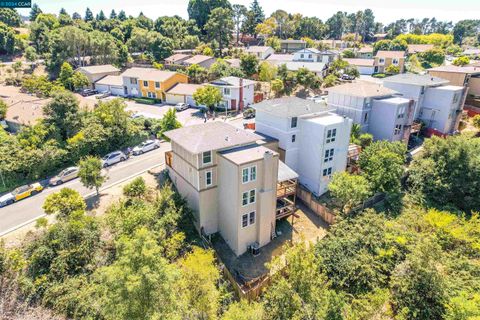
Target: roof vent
431,79
227,138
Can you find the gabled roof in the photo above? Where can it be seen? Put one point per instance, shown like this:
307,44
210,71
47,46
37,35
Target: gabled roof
288,107
111,81
232,81
177,57
258,49
148,74
210,136
416,79
366,49
362,89
186,89
419,48
390,54
291,41
99,69
457,69
199,58
312,66
280,57
360,62
233,62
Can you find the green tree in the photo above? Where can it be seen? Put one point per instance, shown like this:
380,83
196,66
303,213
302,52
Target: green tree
219,26
239,13
34,12
348,54
461,61
64,203
196,73
330,81
208,96
135,189
267,72
392,69
249,64
10,17
475,120
63,113
382,163
169,120
365,140
31,54
350,189
3,109
65,76
90,173
88,15
434,56
244,310
277,86
200,10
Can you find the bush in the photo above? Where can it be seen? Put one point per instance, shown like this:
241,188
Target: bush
135,189
149,101
379,75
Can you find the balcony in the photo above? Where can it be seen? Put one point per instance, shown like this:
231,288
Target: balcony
286,191
168,158
285,208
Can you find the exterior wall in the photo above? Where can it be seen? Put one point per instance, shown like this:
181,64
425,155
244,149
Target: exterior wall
385,116
130,88
365,55
276,127
455,78
291,47
442,108
95,77
380,67
474,86
355,108
409,91
365,70
115,90
164,86
312,153
232,100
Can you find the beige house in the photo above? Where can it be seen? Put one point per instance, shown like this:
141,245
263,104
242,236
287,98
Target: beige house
419,48
95,73
468,76
383,59
177,58
229,177
200,59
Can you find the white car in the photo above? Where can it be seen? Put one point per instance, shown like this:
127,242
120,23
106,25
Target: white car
113,157
7,199
146,146
181,106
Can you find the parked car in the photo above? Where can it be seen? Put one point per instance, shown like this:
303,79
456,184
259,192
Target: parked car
64,176
112,158
181,106
7,199
146,146
104,95
88,92
20,193
347,77
249,113
317,98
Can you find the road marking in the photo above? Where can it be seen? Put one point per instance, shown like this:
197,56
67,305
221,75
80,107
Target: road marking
88,195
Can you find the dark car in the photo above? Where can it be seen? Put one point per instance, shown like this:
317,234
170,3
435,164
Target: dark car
249,113
347,77
88,92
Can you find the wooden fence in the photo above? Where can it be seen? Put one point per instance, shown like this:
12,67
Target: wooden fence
306,196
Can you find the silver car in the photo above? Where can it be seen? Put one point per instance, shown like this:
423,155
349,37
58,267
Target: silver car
7,199
112,158
181,106
146,146
64,176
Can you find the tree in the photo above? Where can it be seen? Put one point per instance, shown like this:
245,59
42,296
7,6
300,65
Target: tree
330,81
34,12
244,310
65,76
101,16
475,120
3,109
208,96
63,113
277,86
307,79
88,15
461,61
350,189
365,140
239,13
76,16
196,73
200,10
392,69
418,289
382,164
122,16
140,283
220,26
113,14
90,173
249,64
267,72
348,54
434,56
274,43
64,203
169,121
10,17
337,25
135,189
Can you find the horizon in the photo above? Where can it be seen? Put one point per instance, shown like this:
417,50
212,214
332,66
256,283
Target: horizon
384,13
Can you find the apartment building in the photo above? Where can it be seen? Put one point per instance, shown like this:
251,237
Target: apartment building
437,104
378,110
229,177
311,140
468,76
150,82
384,59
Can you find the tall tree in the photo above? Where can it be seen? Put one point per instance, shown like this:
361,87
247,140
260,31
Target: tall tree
90,173
34,12
337,25
88,15
63,113
101,16
200,10
220,27
122,16
239,13
113,14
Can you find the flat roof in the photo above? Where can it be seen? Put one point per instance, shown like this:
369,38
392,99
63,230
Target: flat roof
395,100
290,107
457,69
246,154
416,79
210,136
362,89
312,66
326,119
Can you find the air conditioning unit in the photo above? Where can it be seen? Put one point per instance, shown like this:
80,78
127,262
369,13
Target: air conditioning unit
255,249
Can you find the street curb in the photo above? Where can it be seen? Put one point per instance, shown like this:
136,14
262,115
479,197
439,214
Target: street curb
87,196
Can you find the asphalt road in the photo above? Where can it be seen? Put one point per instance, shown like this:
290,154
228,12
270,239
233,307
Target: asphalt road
28,210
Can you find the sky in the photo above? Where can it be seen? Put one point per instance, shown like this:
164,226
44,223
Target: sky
385,10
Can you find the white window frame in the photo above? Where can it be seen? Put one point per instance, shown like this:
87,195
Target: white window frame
151,95
207,173
145,83
203,157
250,215
397,130
254,196
246,216
227,92
401,113
331,135
243,198
293,121
294,138
133,81
252,173
247,172
395,61
328,156
157,84
327,172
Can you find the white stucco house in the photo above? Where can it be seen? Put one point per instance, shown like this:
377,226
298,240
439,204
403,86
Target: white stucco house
261,52
112,84
237,93
182,93
315,55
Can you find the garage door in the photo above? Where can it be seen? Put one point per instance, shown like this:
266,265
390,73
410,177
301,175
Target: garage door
365,70
174,99
191,102
117,91
101,87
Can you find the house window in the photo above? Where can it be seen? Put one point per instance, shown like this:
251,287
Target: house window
293,123
157,84
395,61
145,83
251,218
252,196
328,155
133,80
381,61
401,113
253,173
207,157
398,129
208,178
301,56
310,56
245,175
152,95
331,134
327,172
226,91
293,137
244,220
455,98
245,198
